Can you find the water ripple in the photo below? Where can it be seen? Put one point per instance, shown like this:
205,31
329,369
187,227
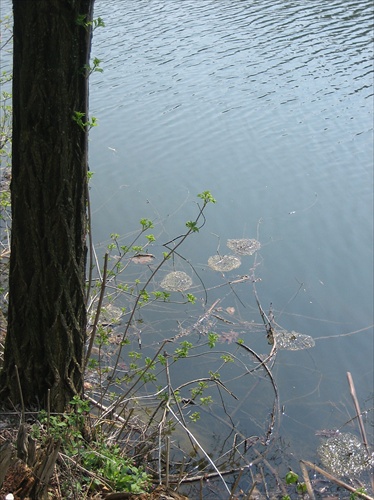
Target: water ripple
282,48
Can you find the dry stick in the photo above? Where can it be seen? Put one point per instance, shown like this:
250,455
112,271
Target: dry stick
359,416
273,471
125,423
236,484
204,316
167,458
159,451
264,481
307,481
271,355
201,448
276,409
210,475
265,319
20,395
337,481
167,438
90,245
358,411
110,410
44,469
251,490
6,450
181,470
172,393
22,444
233,448
98,310
85,471
48,411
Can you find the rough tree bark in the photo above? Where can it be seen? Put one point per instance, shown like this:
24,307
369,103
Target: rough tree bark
47,313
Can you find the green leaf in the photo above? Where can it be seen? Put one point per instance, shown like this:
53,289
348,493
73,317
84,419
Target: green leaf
207,197
146,224
195,416
212,339
191,298
192,226
291,477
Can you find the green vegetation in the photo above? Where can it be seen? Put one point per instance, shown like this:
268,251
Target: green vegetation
101,463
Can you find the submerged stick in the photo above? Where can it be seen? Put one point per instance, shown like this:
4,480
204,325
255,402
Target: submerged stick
236,484
201,448
308,484
358,411
251,490
337,481
276,408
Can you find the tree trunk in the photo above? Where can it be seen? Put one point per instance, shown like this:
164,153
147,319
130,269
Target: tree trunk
47,312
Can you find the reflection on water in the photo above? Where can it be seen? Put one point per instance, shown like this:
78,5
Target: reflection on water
269,106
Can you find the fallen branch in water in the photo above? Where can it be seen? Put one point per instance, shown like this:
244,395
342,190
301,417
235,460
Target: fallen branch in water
337,481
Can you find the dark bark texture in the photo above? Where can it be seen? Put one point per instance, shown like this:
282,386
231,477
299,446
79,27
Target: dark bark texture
47,313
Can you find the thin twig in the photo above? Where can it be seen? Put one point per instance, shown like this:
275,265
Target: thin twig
48,410
276,409
273,471
98,311
167,460
90,244
20,395
167,255
140,377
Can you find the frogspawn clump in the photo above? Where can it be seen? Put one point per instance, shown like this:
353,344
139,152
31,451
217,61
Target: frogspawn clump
244,246
223,262
177,281
345,455
293,341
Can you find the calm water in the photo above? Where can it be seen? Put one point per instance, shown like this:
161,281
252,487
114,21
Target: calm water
269,106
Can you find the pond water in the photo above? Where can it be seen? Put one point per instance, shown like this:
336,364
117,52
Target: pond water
269,105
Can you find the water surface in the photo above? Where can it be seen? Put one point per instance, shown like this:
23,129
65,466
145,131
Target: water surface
269,106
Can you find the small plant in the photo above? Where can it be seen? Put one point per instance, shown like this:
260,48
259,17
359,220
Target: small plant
227,358
195,416
106,462
199,390
191,298
119,471
293,478
95,23
182,352
78,117
212,339
207,197
95,68
354,495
